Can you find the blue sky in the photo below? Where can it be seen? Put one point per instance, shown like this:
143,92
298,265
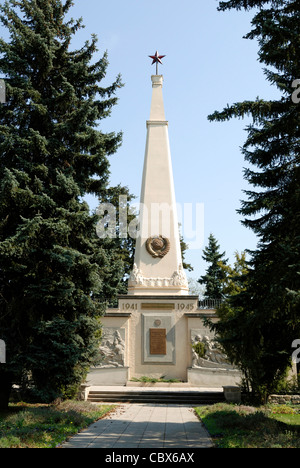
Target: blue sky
208,65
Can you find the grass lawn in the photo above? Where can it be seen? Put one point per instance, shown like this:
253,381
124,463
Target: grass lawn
46,426
234,426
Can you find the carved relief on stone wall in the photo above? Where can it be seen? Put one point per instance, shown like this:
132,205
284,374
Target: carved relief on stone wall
177,279
212,357
112,347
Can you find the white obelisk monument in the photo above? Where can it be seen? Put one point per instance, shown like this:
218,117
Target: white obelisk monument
158,261
156,324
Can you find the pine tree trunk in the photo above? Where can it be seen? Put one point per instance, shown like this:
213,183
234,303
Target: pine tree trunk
5,389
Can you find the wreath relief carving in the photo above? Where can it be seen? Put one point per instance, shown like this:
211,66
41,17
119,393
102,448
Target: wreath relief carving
158,246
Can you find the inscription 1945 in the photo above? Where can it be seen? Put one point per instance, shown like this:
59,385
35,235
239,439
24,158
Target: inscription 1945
158,341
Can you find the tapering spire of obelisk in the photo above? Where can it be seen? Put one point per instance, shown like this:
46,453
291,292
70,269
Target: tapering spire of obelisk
158,261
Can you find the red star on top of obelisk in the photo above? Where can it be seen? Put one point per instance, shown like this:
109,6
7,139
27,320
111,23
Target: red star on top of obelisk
156,59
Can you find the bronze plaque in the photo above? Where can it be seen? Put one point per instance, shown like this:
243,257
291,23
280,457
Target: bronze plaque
158,341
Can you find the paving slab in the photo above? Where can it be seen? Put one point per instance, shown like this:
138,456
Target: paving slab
145,426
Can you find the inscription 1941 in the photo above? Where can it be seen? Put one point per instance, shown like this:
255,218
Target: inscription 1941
158,341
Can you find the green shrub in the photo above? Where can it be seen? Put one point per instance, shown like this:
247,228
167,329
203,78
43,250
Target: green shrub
9,442
199,348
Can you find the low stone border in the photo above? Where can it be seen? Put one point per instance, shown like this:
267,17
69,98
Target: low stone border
283,399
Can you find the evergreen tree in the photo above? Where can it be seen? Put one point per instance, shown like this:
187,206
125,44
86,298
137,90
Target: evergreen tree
234,277
121,229
54,271
231,327
270,307
214,276
184,248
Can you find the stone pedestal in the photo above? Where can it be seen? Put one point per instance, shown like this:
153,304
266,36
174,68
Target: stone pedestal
107,376
213,377
154,336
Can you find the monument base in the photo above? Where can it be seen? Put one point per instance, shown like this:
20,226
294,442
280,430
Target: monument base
158,336
110,376
213,377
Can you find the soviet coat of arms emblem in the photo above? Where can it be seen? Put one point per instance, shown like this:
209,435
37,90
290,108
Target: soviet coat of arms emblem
158,246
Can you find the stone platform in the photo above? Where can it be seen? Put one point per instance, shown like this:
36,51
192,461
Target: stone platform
159,393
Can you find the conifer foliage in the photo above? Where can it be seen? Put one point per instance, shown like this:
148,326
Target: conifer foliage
54,270
267,315
215,274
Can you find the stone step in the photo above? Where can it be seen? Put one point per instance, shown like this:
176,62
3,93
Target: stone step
156,397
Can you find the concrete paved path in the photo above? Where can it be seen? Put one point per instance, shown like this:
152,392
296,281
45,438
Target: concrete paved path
145,426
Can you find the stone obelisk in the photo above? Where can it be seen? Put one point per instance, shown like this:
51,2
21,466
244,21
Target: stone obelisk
158,261
154,327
